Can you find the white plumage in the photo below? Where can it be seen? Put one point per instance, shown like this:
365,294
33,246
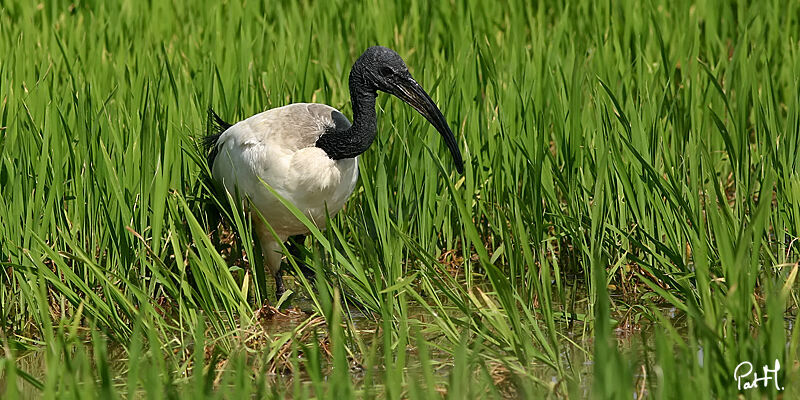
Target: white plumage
276,147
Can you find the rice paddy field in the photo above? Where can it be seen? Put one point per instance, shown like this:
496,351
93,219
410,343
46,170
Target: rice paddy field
626,226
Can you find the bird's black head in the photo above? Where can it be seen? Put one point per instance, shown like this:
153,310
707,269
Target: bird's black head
381,68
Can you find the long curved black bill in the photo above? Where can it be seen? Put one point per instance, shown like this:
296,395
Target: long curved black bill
412,93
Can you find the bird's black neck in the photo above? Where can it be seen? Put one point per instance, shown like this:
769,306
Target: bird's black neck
348,143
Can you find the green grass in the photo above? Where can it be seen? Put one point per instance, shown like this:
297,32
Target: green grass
627,222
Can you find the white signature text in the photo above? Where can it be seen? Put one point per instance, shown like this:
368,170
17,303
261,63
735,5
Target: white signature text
744,371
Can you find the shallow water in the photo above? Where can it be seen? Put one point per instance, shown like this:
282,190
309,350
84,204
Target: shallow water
576,347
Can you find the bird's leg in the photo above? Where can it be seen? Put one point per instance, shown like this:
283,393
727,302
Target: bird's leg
295,245
271,251
274,266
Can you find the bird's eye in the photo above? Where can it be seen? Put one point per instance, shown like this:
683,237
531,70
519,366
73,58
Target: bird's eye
386,72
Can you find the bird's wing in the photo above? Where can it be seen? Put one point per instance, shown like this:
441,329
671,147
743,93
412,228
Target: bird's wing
295,126
291,128
263,143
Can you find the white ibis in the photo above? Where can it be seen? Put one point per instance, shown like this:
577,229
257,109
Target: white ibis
308,153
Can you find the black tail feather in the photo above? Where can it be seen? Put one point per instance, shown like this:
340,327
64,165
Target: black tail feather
215,128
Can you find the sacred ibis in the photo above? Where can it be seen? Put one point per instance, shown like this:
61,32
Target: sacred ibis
308,153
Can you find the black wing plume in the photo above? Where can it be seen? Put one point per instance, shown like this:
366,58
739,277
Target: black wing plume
215,128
